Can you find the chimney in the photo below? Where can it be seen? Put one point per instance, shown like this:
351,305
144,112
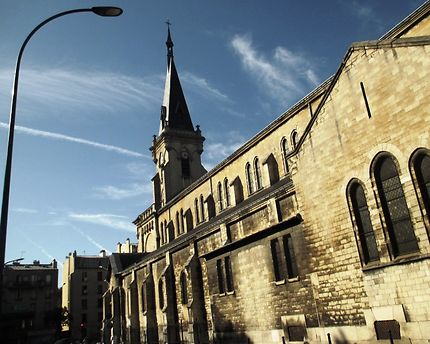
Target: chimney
102,253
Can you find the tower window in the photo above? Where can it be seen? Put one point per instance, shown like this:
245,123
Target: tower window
395,209
185,166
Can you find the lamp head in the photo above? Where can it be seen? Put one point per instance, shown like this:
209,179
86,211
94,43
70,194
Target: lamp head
107,11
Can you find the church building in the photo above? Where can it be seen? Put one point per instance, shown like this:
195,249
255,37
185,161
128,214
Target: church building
317,229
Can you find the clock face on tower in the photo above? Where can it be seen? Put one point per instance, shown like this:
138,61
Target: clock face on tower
184,155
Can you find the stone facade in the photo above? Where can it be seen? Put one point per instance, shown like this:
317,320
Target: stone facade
82,295
316,229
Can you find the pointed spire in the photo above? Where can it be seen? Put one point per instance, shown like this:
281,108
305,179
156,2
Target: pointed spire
169,42
174,111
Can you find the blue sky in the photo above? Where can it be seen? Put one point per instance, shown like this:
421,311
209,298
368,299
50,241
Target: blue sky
91,89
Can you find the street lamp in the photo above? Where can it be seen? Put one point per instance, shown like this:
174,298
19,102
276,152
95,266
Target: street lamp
101,11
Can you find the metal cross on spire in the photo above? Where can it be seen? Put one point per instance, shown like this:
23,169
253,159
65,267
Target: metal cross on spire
169,42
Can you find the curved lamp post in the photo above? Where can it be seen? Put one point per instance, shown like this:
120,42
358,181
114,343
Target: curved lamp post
101,11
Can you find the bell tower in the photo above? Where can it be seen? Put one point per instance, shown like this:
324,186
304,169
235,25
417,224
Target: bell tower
177,149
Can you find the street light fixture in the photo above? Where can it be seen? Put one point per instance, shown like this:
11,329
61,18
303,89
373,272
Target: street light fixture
101,11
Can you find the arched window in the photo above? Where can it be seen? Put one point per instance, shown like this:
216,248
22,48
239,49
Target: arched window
178,224
143,297
166,230
227,193
257,170
294,138
184,291
284,149
249,179
220,198
196,210
185,167
182,221
162,232
362,223
202,207
161,293
396,212
421,168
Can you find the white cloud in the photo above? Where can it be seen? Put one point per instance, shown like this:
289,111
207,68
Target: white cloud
57,136
82,89
92,241
362,11
42,249
116,193
365,13
139,170
25,210
107,220
284,76
216,151
202,87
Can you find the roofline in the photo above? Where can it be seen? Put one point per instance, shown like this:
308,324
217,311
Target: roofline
376,44
315,93
408,22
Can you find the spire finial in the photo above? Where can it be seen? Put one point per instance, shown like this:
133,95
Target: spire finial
169,42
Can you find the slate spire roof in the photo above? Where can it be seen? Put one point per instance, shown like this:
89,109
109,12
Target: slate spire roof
174,110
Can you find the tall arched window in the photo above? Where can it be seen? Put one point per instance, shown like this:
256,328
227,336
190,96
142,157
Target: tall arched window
396,212
182,221
166,231
178,224
202,207
227,193
421,169
294,138
184,291
143,298
162,232
249,179
196,210
362,223
257,170
284,149
220,198
161,293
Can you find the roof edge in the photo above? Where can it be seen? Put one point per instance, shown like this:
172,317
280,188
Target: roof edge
411,20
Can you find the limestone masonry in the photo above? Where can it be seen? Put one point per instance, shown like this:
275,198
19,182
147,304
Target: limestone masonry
317,229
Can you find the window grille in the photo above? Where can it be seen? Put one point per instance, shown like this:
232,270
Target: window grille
395,209
366,235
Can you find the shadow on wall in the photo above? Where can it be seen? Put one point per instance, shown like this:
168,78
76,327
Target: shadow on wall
340,338
224,334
